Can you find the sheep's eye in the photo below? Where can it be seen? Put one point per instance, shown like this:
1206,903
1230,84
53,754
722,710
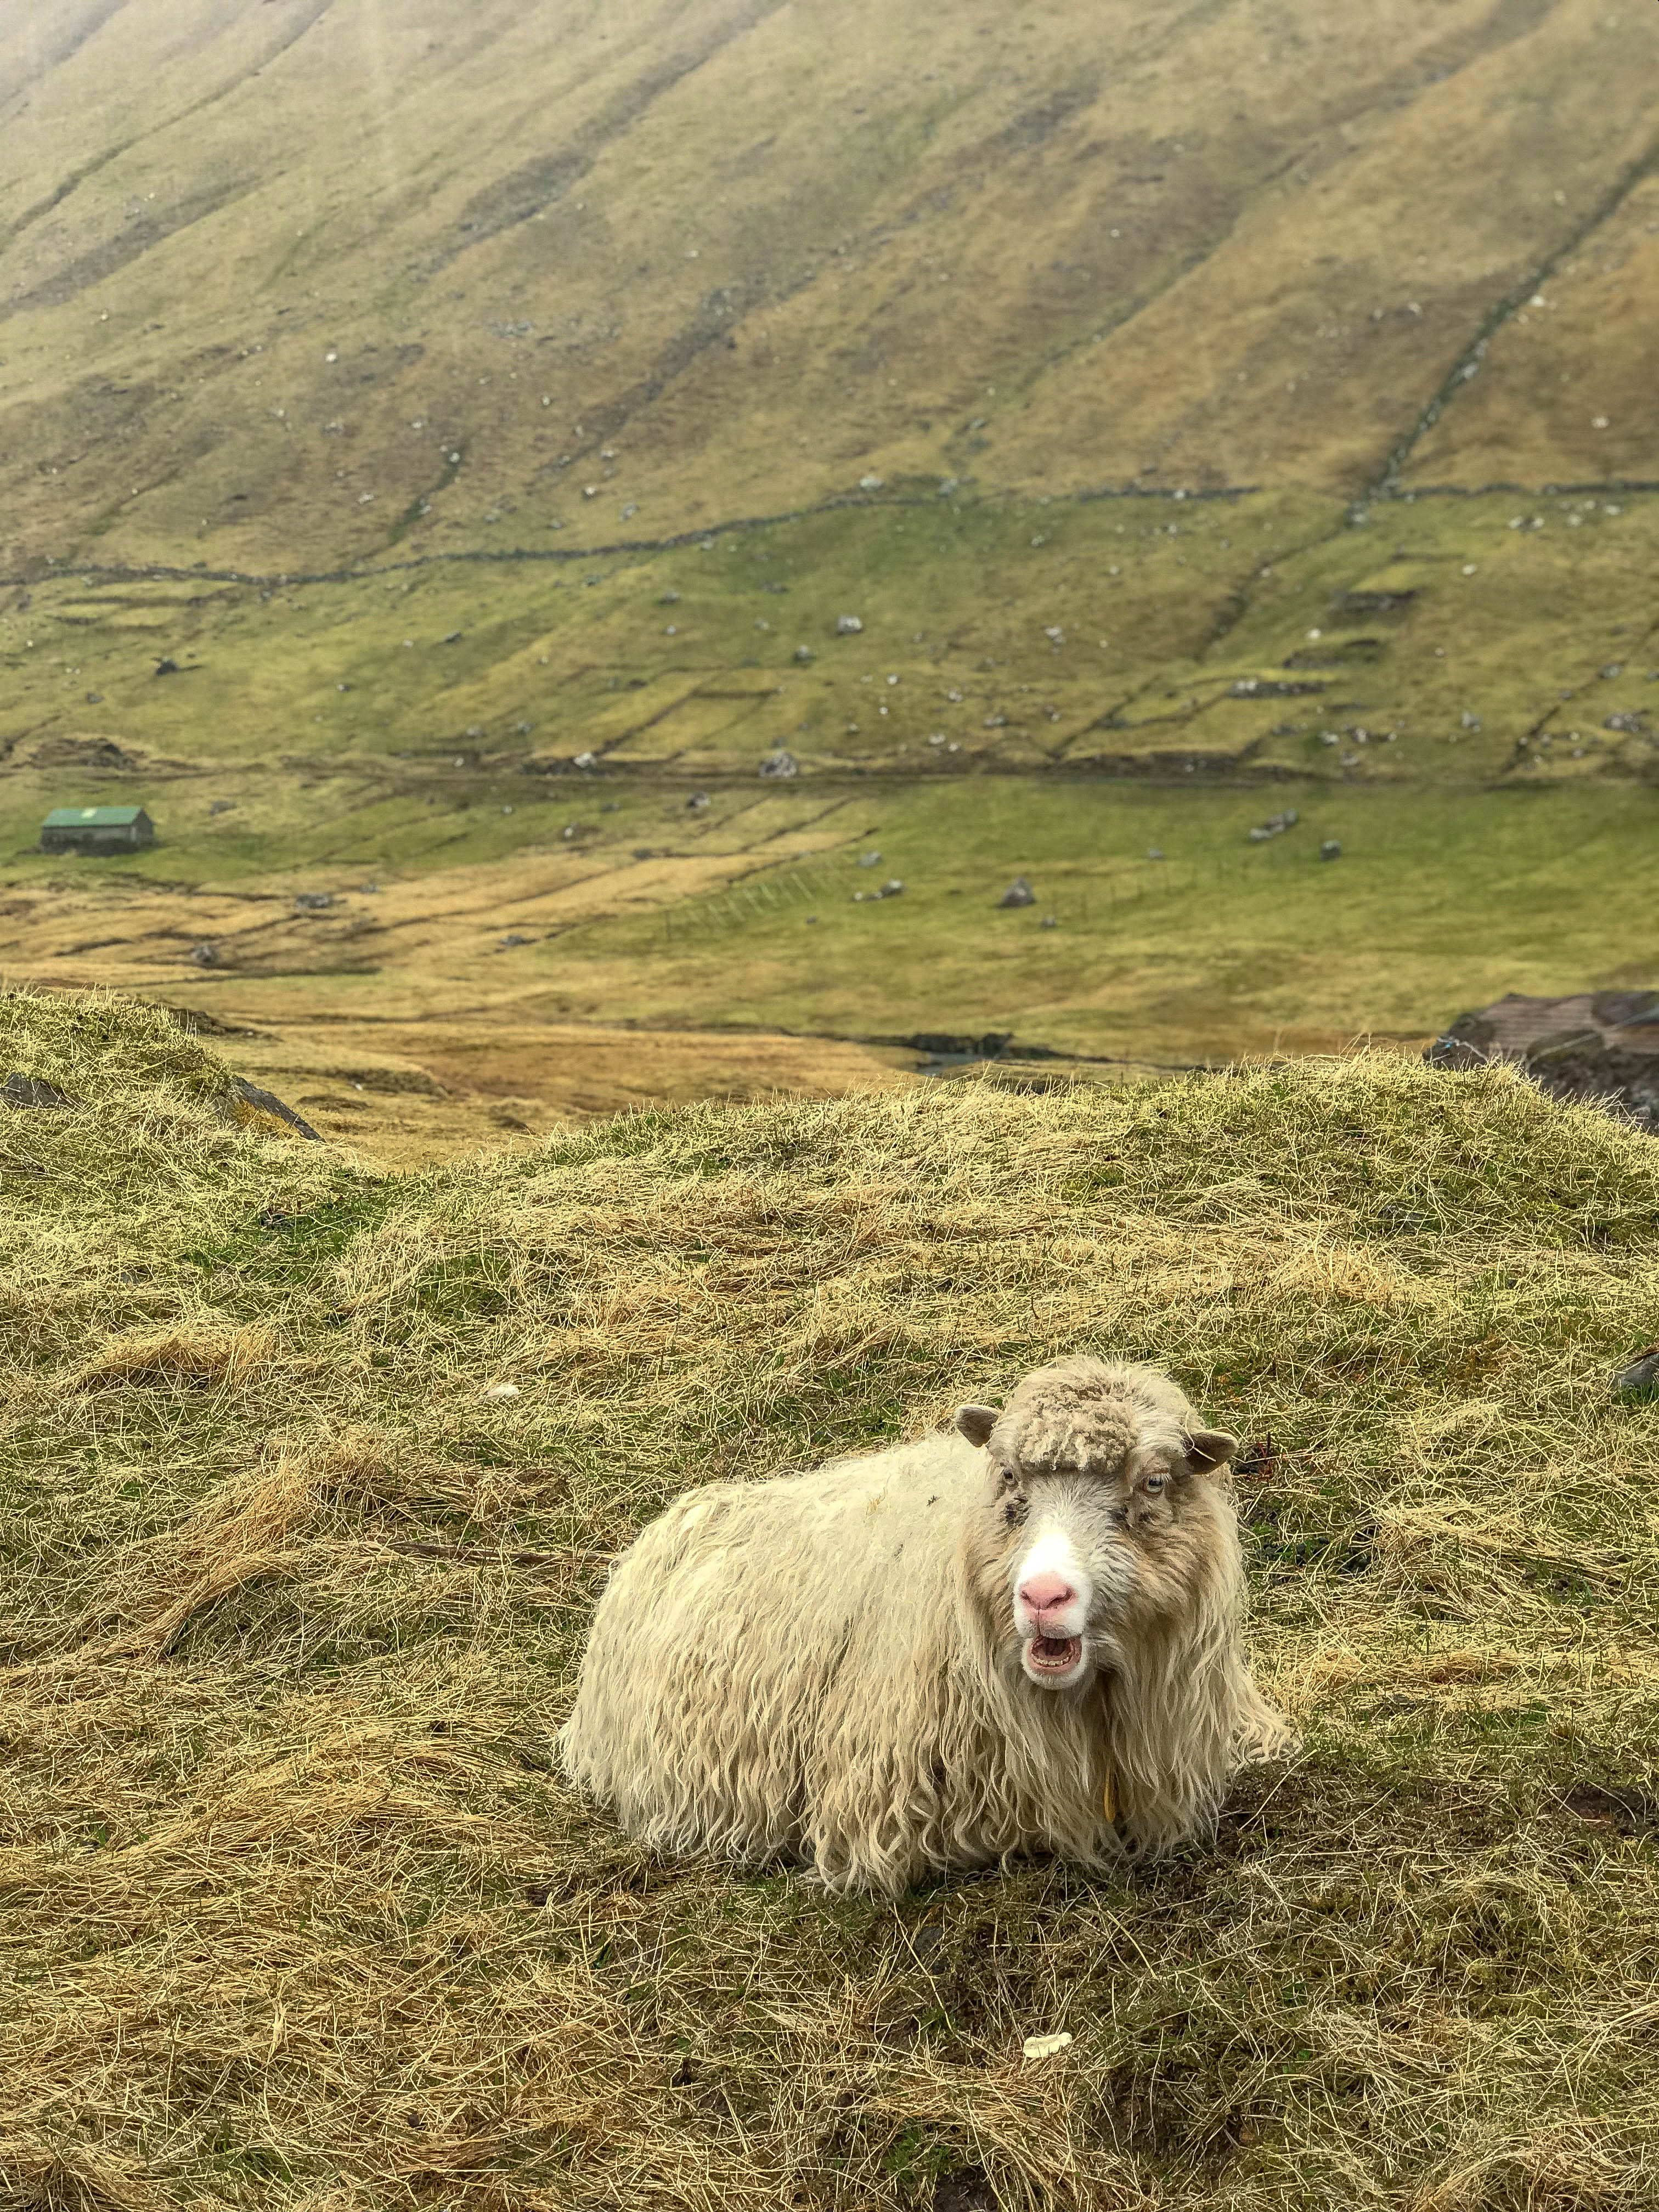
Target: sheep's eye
1155,1486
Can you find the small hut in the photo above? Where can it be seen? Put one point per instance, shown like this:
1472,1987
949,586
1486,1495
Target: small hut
96,830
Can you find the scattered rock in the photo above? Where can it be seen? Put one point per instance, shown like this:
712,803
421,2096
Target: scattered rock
780,763
313,902
1614,668
1154,853
250,1107
697,802
803,653
453,638
1331,849
584,760
870,859
1633,725
849,625
511,939
1274,826
1048,922
370,889
1641,1377
205,956
22,1090
869,483
948,487
1019,893
893,888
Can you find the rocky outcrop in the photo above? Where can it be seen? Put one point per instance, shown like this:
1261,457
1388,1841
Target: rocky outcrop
1602,1046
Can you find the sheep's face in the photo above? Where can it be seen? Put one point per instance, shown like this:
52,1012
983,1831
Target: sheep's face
1097,1521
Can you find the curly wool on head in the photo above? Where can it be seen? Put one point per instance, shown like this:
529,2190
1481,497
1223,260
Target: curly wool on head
1078,1415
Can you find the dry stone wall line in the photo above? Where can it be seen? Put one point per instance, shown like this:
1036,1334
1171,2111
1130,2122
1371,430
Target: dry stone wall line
1463,368
49,570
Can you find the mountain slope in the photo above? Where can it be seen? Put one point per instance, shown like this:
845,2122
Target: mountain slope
282,281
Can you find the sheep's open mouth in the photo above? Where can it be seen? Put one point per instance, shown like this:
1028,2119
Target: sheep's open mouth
1053,1655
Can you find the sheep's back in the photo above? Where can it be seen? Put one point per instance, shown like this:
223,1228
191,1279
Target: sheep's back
752,1634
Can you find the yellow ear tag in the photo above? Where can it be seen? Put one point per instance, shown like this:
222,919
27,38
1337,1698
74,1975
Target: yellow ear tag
1107,1804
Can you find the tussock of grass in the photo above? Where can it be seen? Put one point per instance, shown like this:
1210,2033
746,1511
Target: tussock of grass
295,1909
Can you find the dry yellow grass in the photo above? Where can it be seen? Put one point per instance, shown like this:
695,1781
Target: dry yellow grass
296,1911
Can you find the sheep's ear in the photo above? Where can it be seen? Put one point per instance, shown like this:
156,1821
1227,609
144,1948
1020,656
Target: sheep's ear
1208,1448
976,1422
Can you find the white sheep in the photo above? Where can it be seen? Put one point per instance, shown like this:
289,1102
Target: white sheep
1022,1636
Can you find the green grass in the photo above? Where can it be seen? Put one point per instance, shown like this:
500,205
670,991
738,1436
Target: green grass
289,681
296,1904
1482,664
1438,901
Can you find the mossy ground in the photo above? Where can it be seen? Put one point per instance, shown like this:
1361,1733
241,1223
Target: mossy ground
297,1912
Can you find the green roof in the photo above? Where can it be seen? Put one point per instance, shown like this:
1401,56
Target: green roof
92,817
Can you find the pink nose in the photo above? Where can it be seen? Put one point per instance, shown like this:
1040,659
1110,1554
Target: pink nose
1046,1592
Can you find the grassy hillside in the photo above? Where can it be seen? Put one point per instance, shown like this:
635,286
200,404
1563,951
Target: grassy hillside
1241,637
288,282
296,1910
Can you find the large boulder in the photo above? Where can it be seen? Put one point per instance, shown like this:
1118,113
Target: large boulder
1602,1046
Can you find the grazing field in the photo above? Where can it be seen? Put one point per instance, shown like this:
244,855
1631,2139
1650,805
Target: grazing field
734,960
297,1910
1444,638
604,554
525,796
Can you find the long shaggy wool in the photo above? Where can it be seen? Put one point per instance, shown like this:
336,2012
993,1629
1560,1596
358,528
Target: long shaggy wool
826,1667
